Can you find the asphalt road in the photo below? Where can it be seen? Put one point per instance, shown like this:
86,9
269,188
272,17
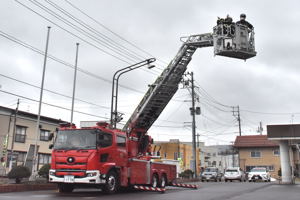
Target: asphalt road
206,191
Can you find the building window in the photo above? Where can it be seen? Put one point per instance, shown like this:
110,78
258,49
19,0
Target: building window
44,135
44,158
21,157
214,163
165,155
121,141
20,134
255,154
276,152
175,155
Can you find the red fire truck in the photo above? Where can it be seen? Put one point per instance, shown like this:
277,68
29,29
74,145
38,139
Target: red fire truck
110,158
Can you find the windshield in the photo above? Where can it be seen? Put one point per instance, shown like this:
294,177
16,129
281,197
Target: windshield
76,139
231,170
210,170
258,170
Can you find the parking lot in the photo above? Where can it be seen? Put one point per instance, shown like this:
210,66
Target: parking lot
206,191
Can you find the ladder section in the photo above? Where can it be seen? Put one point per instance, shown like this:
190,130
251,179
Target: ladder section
160,93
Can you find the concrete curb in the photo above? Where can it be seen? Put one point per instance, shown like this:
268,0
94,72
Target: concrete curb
26,187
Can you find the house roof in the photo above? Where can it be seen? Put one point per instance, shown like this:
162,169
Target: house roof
253,141
31,115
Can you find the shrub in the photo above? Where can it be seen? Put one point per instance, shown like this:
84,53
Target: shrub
44,171
186,174
18,173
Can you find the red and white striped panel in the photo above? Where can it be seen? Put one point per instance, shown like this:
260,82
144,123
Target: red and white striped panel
146,188
184,185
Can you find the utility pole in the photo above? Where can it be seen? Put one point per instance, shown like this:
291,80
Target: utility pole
74,83
236,113
260,128
198,142
194,111
37,131
194,125
13,136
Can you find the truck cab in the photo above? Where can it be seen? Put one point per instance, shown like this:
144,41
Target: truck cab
87,156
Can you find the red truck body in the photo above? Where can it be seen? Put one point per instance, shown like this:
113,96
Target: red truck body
114,161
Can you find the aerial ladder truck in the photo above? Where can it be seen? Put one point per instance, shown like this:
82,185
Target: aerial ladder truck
110,158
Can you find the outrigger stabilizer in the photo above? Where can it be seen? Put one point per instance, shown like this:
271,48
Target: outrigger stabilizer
163,190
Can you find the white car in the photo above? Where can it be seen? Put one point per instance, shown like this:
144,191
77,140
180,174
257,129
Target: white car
234,174
259,173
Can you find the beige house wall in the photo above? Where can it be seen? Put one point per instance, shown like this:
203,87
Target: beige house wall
27,120
267,158
169,150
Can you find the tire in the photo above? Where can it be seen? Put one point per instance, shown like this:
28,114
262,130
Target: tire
240,180
202,180
163,181
154,182
225,180
65,188
112,184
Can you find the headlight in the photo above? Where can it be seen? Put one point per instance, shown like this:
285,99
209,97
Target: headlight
52,172
91,174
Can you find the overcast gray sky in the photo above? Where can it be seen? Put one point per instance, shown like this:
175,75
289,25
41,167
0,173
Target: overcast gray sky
266,84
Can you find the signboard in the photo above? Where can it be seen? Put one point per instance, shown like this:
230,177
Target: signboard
284,132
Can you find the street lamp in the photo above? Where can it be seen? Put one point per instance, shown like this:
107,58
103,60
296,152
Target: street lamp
115,117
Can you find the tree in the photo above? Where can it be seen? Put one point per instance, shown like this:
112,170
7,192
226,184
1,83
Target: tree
44,171
186,174
18,173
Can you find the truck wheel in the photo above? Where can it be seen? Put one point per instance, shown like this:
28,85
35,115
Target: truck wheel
154,180
112,183
65,188
163,181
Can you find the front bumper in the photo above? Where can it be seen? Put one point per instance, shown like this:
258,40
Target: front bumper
258,177
97,178
232,177
208,177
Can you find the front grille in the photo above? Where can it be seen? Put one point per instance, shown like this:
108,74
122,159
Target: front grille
65,163
70,170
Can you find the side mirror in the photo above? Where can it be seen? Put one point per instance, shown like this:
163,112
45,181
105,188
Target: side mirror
50,137
51,146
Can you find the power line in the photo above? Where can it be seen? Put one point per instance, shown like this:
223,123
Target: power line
80,30
217,122
107,40
109,30
137,56
269,113
212,99
36,50
52,105
53,92
72,25
73,34
217,108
